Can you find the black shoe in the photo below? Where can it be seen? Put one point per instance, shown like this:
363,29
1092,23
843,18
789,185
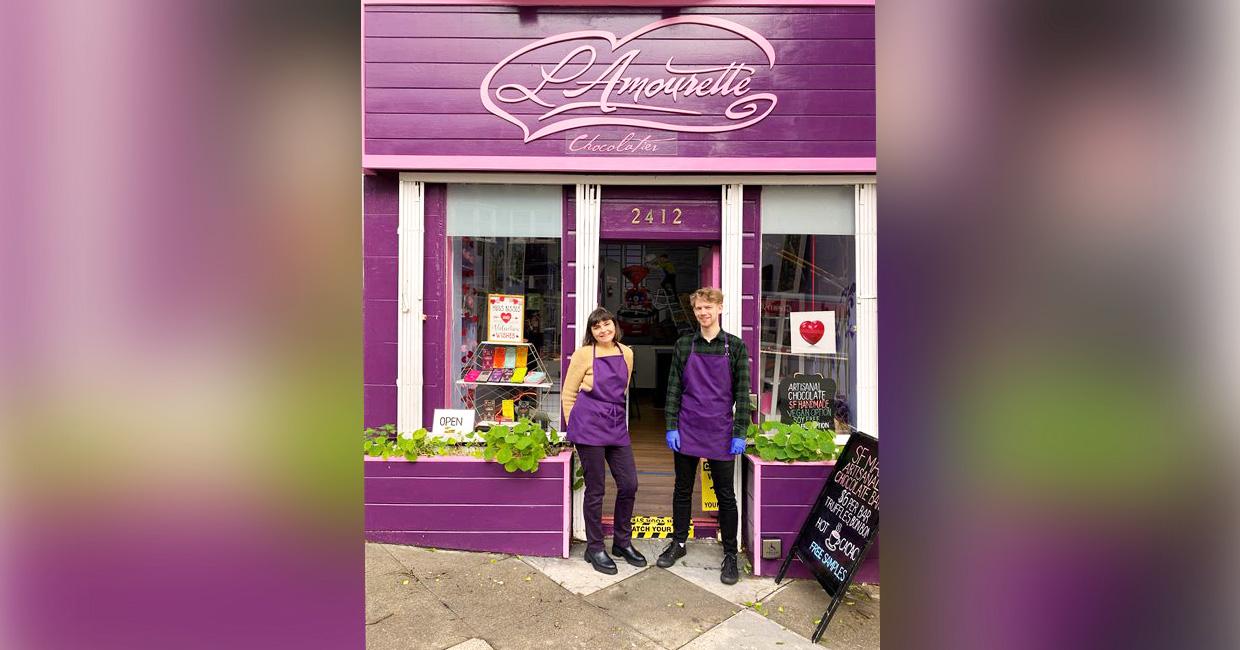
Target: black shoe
630,555
729,574
673,552
602,562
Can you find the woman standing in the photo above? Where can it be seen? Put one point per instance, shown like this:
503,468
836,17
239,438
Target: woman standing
595,393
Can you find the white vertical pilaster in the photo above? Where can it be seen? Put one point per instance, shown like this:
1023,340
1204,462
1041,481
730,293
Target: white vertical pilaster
588,217
732,287
411,234
731,253
867,308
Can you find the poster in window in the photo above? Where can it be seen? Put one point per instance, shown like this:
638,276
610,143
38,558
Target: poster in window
505,318
813,332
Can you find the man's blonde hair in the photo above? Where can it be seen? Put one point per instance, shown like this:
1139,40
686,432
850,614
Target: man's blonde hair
709,294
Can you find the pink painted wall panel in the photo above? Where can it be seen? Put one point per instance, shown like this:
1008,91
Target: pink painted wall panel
798,102
433,80
461,490
465,503
522,543
466,467
379,405
788,490
378,322
472,517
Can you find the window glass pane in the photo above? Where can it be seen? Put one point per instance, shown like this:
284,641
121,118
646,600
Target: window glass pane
823,210
807,273
505,210
482,263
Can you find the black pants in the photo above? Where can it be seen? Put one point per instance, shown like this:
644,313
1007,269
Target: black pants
624,470
682,498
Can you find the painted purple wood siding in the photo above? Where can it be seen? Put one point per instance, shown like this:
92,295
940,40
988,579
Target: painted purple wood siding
435,304
424,66
380,248
468,504
751,270
568,285
787,492
380,216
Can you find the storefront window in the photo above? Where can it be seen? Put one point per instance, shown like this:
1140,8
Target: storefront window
505,239
808,265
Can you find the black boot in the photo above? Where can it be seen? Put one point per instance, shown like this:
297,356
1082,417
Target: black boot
630,554
673,552
729,574
602,562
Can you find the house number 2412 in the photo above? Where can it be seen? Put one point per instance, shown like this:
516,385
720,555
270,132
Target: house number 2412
650,217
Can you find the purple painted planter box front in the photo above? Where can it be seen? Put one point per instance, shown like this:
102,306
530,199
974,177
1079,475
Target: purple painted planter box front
639,89
468,504
778,497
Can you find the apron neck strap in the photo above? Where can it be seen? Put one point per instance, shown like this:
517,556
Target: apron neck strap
726,344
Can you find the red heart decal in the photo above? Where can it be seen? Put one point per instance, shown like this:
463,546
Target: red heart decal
812,331
507,317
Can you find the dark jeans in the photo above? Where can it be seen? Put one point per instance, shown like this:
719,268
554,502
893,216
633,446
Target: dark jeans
624,470
682,498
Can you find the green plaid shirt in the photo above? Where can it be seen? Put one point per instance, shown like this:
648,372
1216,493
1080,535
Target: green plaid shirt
740,376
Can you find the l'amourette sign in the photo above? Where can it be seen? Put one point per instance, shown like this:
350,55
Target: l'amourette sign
594,85
784,89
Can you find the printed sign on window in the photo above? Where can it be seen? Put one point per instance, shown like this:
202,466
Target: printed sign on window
505,318
813,332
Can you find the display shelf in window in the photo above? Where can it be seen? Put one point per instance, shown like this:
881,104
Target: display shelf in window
504,382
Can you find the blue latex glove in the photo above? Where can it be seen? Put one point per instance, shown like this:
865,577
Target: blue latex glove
673,439
738,446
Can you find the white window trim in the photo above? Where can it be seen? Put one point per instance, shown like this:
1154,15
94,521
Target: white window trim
411,235
867,307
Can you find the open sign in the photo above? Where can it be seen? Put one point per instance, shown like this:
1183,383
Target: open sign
452,423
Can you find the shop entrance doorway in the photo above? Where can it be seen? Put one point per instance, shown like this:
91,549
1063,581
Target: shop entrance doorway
647,284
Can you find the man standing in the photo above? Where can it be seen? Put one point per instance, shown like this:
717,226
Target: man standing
709,375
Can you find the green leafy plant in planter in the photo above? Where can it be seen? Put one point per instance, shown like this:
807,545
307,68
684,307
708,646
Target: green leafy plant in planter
518,447
383,442
792,442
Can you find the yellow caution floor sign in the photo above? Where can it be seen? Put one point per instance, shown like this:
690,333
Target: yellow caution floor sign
654,527
710,502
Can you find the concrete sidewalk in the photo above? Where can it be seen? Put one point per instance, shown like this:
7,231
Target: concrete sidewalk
426,598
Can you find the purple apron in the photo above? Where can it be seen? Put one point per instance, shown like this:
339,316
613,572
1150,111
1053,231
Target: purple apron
599,413
706,405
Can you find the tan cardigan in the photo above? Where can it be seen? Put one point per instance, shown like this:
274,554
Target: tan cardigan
580,375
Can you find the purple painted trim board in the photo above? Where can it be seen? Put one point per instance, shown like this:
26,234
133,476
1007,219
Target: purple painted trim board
466,87
783,494
634,3
635,164
469,504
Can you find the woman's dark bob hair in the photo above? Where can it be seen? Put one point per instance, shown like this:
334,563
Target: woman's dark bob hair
597,316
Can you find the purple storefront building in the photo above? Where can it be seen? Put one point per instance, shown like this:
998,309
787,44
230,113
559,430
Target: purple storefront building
583,155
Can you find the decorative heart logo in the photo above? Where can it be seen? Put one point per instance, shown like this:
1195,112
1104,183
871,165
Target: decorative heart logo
812,331
507,317
568,79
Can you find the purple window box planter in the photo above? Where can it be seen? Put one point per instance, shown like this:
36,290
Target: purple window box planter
777,500
468,504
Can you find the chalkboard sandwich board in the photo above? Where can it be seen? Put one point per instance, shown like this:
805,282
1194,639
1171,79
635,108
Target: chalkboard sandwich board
842,523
